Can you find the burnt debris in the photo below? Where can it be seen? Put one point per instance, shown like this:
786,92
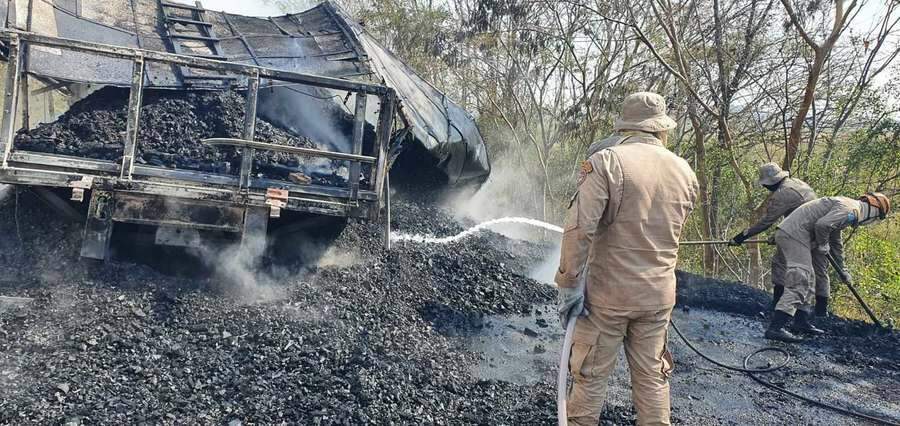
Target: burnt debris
172,124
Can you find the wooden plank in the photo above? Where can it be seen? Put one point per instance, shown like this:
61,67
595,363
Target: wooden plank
194,37
188,21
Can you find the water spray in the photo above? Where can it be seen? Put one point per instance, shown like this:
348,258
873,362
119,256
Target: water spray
427,239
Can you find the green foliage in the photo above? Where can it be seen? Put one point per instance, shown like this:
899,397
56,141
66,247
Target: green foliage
545,80
873,257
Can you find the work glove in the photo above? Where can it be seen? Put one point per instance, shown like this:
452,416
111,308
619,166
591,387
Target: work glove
823,249
845,275
738,239
570,301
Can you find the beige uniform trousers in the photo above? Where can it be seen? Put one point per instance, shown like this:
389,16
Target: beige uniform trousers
595,347
799,275
820,268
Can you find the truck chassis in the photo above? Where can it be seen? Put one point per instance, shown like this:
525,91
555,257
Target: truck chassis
183,201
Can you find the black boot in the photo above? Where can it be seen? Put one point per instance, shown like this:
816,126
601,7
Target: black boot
777,330
777,291
802,324
821,306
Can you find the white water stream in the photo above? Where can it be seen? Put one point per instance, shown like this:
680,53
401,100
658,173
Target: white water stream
430,239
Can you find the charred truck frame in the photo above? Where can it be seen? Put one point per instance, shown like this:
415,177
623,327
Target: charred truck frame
179,202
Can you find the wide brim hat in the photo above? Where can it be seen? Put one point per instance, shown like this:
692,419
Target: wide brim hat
644,111
770,174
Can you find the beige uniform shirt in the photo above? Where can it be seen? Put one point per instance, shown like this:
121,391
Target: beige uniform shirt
624,223
820,222
614,140
791,194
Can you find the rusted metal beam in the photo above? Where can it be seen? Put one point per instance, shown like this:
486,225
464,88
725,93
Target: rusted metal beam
165,181
10,100
165,211
309,152
134,118
195,62
99,225
249,130
359,126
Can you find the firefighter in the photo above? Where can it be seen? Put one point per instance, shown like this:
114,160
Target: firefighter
814,230
787,194
617,262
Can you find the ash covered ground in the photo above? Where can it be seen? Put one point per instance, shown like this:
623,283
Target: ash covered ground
455,334
172,124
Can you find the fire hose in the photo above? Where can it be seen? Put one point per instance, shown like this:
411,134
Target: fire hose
562,378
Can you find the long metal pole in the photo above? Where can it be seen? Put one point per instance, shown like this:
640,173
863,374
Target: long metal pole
852,288
699,243
10,100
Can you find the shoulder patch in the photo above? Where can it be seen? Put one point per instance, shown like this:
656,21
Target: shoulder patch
586,168
851,218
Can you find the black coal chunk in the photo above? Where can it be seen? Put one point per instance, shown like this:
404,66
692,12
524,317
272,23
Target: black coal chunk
172,124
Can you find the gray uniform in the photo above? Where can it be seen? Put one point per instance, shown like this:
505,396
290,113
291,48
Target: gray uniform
792,193
812,225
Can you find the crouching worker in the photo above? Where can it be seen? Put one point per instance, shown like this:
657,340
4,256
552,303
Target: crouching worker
621,231
787,194
807,237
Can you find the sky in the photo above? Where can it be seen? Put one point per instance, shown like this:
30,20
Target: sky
247,7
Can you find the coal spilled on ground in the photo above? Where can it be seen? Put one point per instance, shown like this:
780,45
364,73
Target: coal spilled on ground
360,336
172,124
350,342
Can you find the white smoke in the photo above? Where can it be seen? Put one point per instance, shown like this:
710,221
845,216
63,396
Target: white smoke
306,114
509,191
237,268
5,191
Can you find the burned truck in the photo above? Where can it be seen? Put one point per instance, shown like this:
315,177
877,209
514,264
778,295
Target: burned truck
199,124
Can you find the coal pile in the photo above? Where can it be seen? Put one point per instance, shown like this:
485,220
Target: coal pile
351,343
172,123
855,342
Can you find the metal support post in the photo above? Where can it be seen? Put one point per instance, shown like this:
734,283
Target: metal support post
359,126
98,228
383,138
10,100
249,128
387,212
134,118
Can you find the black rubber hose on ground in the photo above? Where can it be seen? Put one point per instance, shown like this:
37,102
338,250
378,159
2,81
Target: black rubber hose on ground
752,372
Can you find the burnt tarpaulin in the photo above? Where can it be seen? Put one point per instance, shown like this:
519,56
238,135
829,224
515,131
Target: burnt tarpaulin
322,40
